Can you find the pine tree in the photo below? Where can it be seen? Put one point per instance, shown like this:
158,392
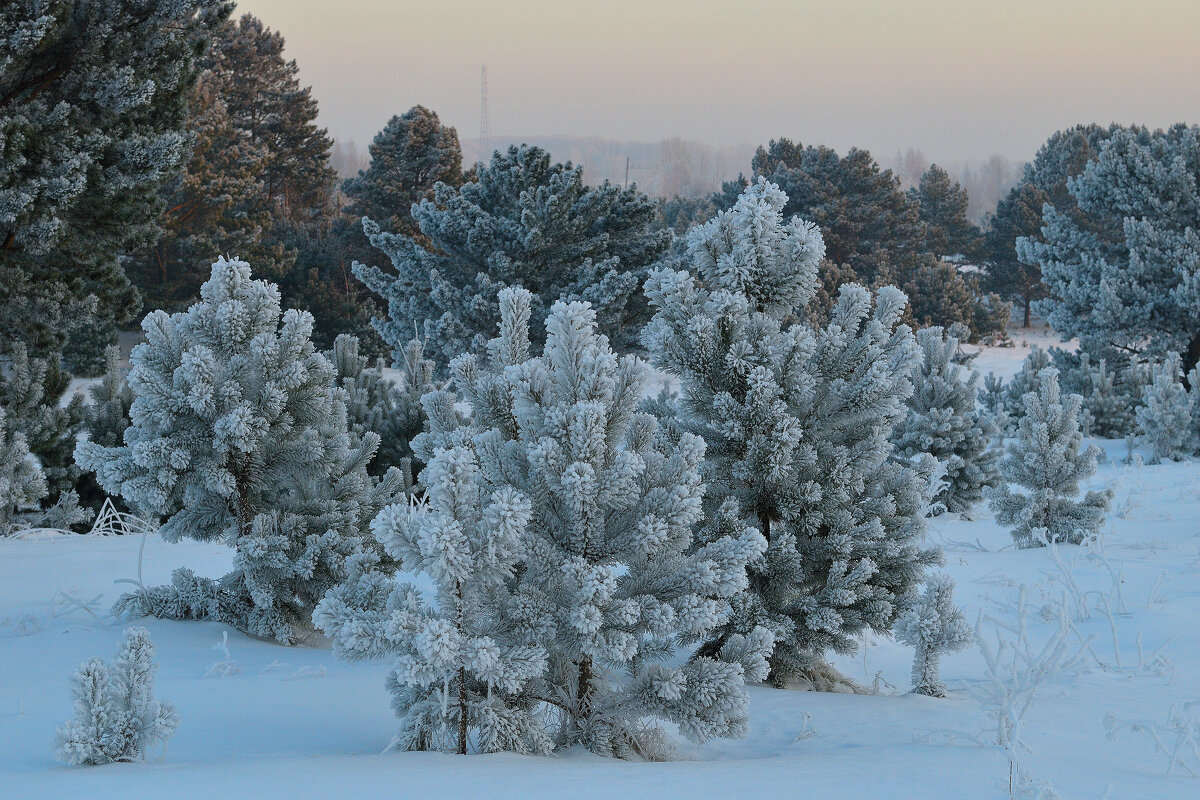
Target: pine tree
261,90
239,435
215,205
105,419
1111,398
1025,381
875,231
942,205
411,155
933,625
797,420
116,715
1019,214
994,398
376,404
1122,268
868,222
523,222
22,483
31,393
1047,462
943,421
92,111
940,294
107,415
467,666
1165,420
615,578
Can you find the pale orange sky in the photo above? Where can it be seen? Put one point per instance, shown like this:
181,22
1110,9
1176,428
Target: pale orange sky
958,79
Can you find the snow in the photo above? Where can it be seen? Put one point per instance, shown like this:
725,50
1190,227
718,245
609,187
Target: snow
294,722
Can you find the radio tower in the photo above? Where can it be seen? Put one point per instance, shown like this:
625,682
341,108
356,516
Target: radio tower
485,133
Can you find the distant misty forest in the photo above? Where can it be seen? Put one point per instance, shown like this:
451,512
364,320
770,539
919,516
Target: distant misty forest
678,166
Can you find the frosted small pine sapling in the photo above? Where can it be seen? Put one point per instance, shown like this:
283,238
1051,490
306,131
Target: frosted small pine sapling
1110,400
943,421
21,482
797,419
618,574
466,666
1023,382
116,715
1048,463
1165,420
933,625
238,435
376,404
107,416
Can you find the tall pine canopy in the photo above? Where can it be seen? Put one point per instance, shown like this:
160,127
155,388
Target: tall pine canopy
878,234
93,103
524,222
1124,269
258,185
942,205
411,155
797,420
238,435
1019,213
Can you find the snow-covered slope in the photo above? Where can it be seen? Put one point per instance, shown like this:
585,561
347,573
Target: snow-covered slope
295,723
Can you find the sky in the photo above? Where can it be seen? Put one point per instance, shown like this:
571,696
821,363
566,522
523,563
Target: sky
959,80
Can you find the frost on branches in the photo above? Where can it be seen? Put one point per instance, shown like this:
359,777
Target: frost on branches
1047,462
116,715
933,625
797,420
1123,269
1167,420
943,421
468,664
21,482
523,222
612,579
375,404
238,435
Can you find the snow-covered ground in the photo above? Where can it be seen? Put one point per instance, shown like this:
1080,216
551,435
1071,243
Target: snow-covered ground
296,723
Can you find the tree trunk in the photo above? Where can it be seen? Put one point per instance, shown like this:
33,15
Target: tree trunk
584,692
1028,303
462,711
462,682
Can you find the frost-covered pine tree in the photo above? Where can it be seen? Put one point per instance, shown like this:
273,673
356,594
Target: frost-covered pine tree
1024,382
1110,401
238,435
1046,461
21,481
797,422
377,404
107,415
1121,255
1166,420
993,398
933,625
116,715
468,663
943,421
523,221
93,103
33,394
615,578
